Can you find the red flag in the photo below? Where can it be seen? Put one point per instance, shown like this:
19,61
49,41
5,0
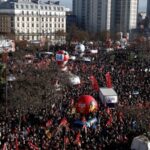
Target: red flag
78,140
72,102
94,83
66,140
101,69
32,146
5,146
108,80
17,144
108,111
84,68
28,130
63,122
48,123
109,122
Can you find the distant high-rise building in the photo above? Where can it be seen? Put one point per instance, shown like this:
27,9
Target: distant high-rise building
93,16
148,8
101,15
124,16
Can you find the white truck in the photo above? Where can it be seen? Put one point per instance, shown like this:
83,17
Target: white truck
108,96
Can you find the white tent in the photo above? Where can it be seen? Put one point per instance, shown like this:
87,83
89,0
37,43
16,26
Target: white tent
74,79
72,58
140,143
86,59
94,51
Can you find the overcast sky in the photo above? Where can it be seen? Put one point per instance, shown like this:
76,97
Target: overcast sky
68,3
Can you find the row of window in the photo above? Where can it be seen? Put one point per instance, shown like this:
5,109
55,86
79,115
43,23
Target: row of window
37,19
42,13
35,31
39,7
37,25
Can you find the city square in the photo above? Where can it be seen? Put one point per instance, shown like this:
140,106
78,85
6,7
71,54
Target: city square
70,80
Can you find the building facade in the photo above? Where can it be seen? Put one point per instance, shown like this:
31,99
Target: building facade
105,15
93,16
70,20
32,20
124,15
148,8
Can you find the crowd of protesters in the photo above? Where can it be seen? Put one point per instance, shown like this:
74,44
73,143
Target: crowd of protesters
115,129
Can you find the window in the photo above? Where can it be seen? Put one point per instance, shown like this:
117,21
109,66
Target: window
17,18
31,6
32,13
42,19
22,18
32,19
32,25
12,18
17,24
22,24
36,6
45,7
23,12
41,7
12,24
27,13
46,25
62,25
27,6
21,6
37,25
37,19
27,25
27,18
16,6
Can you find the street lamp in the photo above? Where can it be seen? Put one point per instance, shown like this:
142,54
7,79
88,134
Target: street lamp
9,78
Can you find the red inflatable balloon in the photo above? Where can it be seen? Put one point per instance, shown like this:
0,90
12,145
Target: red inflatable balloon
86,104
62,57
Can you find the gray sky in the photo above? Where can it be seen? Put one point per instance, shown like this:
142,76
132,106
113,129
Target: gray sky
68,3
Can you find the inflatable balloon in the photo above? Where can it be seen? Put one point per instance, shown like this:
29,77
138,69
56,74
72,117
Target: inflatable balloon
62,58
80,48
86,104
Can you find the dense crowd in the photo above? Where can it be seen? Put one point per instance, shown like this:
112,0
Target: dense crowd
54,128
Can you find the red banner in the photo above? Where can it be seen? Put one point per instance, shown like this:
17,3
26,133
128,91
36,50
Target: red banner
108,80
94,83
